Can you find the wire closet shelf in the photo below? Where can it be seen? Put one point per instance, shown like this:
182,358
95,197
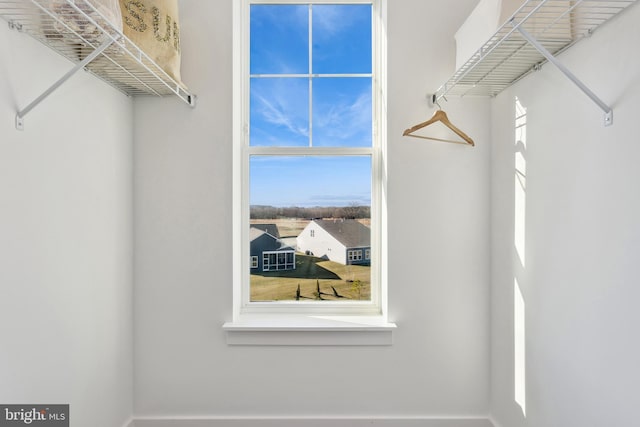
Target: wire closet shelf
83,35
509,56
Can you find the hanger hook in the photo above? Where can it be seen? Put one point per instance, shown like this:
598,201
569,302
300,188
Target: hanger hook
432,99
435,101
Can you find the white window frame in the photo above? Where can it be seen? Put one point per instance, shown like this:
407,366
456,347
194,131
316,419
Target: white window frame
254,262
266,263
354,254
255,317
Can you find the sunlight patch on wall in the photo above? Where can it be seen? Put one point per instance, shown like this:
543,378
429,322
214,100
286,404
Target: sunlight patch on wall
519,348
519,240
520,180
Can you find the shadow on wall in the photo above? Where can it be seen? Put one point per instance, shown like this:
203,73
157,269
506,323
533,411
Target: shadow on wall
5,78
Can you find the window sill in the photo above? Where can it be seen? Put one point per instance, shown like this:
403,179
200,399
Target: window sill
310,331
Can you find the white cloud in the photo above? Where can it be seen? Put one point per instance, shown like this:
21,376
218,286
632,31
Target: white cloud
279,103
277,114
345,119
330,20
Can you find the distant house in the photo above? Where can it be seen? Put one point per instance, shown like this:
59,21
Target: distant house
268,253
269,228
345,241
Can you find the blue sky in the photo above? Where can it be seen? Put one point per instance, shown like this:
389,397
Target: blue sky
280,39
280,108
308,181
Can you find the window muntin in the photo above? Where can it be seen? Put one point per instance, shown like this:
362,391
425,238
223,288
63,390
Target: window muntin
327,103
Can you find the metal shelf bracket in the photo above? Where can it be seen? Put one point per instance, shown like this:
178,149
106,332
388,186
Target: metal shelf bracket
608,112
79,66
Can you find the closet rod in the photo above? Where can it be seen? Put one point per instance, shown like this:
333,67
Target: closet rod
608,112
80,65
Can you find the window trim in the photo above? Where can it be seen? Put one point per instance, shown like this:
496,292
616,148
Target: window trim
256,316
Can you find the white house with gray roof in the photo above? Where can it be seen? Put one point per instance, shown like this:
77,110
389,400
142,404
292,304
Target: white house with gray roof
345,241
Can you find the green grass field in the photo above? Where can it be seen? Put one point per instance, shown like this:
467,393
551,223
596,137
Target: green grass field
282,285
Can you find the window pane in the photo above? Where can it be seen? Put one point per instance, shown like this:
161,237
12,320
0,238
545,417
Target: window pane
279,39
312,215
341,39
342,112
279,112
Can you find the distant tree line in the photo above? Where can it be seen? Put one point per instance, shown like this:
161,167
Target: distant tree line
273,212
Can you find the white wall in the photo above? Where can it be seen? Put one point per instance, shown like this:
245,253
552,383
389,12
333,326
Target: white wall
65,239
438,366
579,281
66,250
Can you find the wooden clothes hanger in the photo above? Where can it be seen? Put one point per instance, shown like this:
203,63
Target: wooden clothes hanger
440,116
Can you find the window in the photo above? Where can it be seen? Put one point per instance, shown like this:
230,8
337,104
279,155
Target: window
254,262
276,261
308,144
355,255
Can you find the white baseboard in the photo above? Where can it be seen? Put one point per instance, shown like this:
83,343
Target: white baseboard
311,422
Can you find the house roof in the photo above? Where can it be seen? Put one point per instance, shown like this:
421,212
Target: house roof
255,233
349,232
269,228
